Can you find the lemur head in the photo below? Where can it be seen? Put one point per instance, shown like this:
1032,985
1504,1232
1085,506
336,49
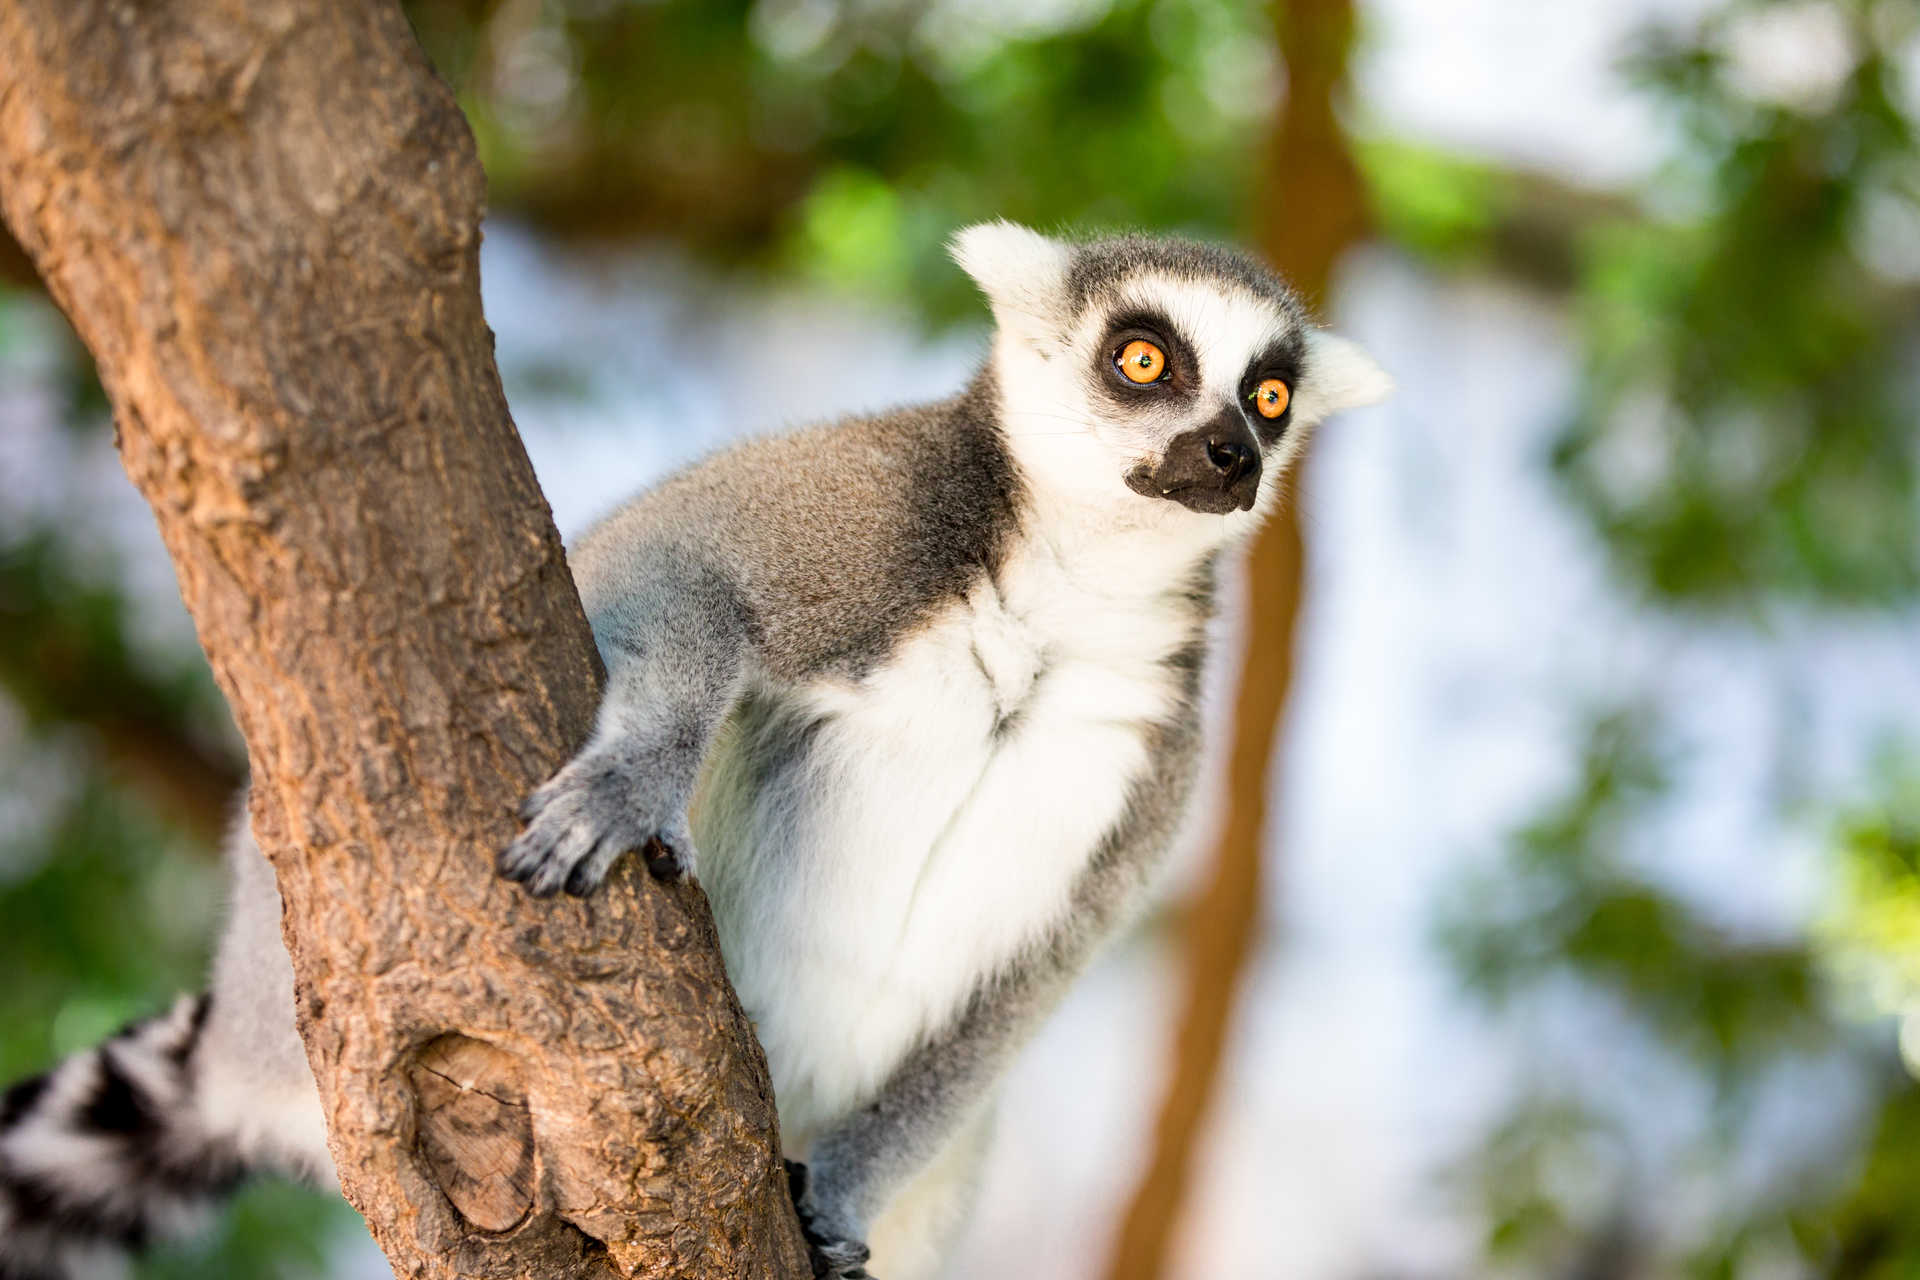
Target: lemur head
1136,370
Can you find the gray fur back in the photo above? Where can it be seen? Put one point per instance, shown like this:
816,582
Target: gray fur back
837,539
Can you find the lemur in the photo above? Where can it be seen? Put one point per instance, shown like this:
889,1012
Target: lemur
915,696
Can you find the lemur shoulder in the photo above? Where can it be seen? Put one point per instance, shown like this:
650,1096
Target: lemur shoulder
914,695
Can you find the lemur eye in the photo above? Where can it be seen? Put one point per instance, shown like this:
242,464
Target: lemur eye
1271,397
1141,361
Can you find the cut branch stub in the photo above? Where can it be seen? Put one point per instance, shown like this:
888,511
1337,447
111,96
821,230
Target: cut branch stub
476,1132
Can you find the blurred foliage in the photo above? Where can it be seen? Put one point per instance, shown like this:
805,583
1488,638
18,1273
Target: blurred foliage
1869,1230
1744,447
1549,1151
105,923
1747,426
271,1229
1873,931
1441,206
1552,1153
1569,896
844,141
1579,1178
68,657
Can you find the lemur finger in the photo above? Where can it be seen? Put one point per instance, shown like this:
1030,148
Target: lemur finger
593,868
529,850
568,852
519,858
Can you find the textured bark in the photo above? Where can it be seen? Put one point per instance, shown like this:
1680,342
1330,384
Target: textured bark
263,218
1315,209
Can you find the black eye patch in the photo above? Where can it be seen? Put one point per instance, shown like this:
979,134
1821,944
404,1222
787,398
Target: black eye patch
1284,359
1179,379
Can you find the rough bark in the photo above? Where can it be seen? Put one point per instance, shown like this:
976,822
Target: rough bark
263,218
1315,210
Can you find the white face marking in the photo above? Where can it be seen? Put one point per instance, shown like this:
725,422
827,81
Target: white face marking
1072,444
1075,447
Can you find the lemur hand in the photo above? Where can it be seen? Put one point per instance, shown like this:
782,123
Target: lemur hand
611,799
833,1256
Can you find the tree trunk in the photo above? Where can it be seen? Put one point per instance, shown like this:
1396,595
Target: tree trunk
1314,208
263,218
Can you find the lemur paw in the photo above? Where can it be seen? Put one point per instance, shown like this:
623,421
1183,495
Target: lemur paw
833,1257
578,824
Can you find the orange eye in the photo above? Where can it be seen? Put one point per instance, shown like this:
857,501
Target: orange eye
1271,398
1141,361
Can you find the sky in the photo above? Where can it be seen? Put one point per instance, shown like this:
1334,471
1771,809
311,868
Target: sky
1528,82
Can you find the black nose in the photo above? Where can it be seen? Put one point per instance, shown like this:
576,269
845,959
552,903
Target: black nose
1212,469
1233,458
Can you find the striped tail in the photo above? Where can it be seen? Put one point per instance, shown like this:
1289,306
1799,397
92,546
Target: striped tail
107,1151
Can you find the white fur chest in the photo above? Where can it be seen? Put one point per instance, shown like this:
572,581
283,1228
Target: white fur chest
932,820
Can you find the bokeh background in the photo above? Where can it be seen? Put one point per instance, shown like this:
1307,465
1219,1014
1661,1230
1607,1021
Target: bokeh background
1584,939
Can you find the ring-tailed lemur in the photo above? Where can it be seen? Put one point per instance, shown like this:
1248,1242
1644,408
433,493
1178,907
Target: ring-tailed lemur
914,694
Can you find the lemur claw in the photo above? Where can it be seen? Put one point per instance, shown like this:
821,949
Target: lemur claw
582,821
832,1257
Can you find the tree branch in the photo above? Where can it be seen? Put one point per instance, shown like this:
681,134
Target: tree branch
263,218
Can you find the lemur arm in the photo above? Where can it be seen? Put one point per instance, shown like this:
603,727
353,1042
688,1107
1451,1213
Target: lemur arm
675,635
787,556
859,1164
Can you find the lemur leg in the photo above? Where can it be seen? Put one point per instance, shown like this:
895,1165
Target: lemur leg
143,1135
900,1164
914,1233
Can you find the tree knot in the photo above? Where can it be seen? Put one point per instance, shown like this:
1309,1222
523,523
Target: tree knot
475,1129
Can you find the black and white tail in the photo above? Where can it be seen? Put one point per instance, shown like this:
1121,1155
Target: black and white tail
107,1151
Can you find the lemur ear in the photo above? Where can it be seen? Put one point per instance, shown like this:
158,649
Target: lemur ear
1022,272
1339,375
